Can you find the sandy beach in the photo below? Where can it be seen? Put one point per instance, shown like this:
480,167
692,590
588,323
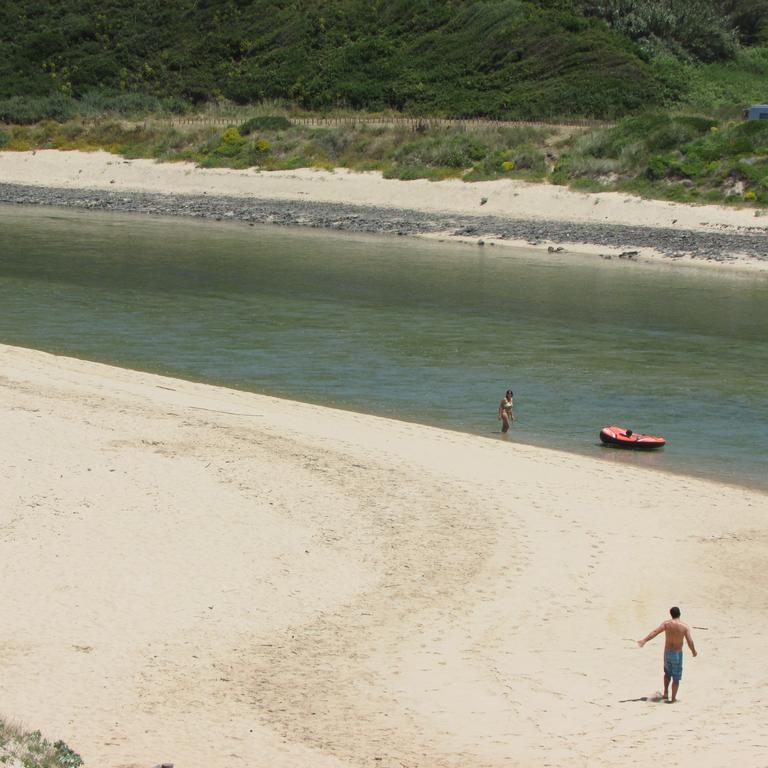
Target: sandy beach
213,578
732,237
101,170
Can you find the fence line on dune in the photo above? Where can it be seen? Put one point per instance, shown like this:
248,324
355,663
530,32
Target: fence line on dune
413,123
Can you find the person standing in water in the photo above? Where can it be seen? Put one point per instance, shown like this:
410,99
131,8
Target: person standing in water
505,410
675,632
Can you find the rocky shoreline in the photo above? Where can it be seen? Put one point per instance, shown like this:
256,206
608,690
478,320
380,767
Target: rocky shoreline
724,246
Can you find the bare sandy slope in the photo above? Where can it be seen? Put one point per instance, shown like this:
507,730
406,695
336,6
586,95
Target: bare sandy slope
214,578
510,198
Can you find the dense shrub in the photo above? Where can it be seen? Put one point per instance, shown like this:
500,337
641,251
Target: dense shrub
677,157
698,27
724,88
636,137
494,58
749,18
498,58
264,123
132,104
26,110
446,151
741,139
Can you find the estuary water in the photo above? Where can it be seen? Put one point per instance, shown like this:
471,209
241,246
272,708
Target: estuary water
422,331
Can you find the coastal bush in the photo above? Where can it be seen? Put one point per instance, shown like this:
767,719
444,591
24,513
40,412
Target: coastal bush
258,151
497,58
368,144
231,143
755,170
168,143
131,141
645,145
655,132
68,135
492,58
743,138
213,149
264,123
125,105
662,154
27,110
20,139
585,184
647,155
525,161
31,750
749,18
526,157
458,151
723,164
413,172
723,89
367,165
43,133
662,167
225,149
291,163
329,143
696,27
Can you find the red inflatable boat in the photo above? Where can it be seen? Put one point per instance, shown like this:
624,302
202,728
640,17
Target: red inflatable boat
626,438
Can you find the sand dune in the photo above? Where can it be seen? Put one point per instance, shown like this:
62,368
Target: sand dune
216,578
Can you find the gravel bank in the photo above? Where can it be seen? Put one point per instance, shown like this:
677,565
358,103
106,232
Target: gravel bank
744,242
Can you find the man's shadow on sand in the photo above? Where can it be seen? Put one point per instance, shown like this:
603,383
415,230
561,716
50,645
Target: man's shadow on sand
655,698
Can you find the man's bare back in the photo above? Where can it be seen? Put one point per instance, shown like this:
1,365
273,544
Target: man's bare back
675,633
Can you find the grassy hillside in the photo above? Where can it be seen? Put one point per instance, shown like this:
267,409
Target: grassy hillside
492,58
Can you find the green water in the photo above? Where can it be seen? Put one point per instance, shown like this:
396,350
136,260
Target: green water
421,331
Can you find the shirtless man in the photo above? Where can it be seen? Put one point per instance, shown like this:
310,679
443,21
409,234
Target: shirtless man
675,632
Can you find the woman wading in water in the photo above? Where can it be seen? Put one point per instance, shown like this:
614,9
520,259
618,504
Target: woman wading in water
505,410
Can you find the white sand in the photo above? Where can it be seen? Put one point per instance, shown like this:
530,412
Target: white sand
214,578
505,198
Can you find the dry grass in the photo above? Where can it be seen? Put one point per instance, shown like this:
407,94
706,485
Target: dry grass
28,749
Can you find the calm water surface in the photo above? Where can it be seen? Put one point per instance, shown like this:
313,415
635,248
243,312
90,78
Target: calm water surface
427,332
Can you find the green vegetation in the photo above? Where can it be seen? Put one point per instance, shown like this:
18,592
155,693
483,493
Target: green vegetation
399,151
697,28
510,59
31,750
86,75
679,157
722,88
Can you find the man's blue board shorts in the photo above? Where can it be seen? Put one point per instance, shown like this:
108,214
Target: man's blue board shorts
673,665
